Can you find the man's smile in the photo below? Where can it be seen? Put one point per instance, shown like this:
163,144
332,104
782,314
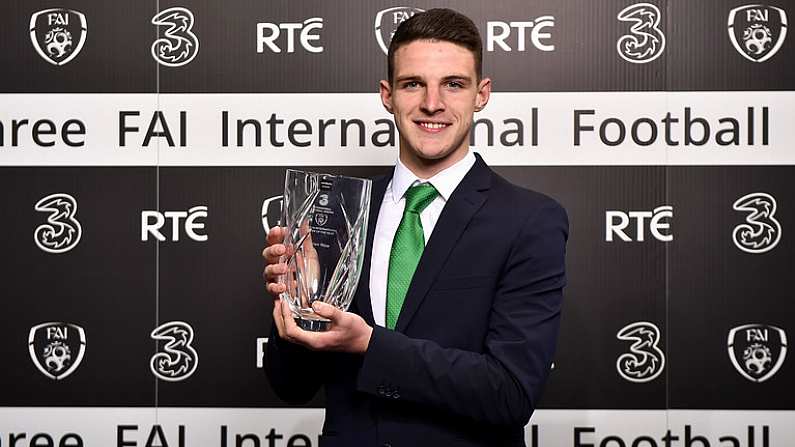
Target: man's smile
431,126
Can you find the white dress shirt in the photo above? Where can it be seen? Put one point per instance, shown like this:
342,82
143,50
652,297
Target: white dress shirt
391,212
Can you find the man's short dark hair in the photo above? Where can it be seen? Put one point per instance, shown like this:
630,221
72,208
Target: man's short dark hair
438,24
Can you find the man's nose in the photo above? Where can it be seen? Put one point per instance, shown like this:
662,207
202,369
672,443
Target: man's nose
432,102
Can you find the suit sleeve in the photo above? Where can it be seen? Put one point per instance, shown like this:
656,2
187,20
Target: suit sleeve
289,369
502,384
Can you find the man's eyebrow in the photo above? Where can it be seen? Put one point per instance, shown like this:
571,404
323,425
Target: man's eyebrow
457,77
408,78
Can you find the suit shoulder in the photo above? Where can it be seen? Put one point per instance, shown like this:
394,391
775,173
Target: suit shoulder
522,200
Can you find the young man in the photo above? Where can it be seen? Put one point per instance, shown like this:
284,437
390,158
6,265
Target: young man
452,331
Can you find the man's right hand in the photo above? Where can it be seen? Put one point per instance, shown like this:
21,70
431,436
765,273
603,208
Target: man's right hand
273,268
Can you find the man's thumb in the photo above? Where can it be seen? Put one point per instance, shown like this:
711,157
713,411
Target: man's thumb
324,309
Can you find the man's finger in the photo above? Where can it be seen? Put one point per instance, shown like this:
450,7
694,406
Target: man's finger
278,320
273,271
276,235
273,253
326,310
287,316
275,288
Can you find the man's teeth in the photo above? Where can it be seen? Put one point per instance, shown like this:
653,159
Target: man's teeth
433,125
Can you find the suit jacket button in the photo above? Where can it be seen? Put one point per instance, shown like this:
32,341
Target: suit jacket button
395,395
386,444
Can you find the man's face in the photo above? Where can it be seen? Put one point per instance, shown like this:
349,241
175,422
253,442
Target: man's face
434,95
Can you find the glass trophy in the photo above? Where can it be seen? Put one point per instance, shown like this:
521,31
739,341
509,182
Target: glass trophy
325,217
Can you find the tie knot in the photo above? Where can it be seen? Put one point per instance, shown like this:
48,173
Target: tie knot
420,196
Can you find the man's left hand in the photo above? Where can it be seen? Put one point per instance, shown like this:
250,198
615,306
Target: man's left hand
348,332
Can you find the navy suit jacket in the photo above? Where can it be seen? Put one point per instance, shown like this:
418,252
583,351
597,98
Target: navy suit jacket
475,338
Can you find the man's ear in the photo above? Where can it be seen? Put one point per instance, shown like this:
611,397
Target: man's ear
386,94
484,93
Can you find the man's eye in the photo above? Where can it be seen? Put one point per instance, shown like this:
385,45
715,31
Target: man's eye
411,84
455,84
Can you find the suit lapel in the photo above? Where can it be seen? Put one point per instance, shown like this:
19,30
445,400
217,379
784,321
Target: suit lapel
362,297
465,201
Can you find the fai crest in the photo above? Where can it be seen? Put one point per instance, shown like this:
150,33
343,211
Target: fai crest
58,34
757,351
387,22
271,212
57,348
757,31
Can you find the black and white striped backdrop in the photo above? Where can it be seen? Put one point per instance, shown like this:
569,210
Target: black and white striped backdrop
142,152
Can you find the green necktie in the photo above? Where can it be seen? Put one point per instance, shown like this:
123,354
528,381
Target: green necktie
406,249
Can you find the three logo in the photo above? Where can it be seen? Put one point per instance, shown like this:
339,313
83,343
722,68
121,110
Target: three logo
62,231
176,360
645,41
761,231
179,45
645,360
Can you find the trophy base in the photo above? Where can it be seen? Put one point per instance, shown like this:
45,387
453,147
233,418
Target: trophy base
313,325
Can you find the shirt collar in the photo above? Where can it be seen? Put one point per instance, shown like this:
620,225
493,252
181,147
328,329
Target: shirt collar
444,181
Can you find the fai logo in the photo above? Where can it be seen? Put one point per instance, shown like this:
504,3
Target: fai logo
62,231
57,348
177,359
498,32
387,22
58,34
644,361
757,351
309,31
658,222
179,45
761,231
646,41
757,31
152,221
271,212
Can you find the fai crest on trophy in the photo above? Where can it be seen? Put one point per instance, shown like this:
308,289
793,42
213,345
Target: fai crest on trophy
57,348
387,22
58,34
757,31
757,351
